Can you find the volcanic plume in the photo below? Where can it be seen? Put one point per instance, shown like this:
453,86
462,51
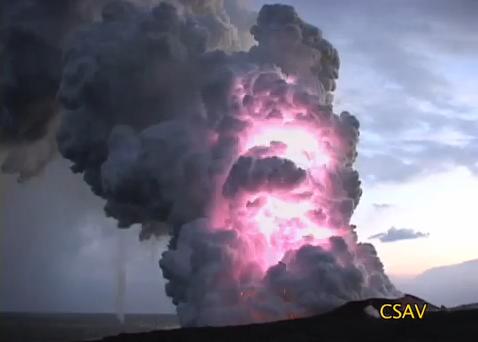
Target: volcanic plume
237,155
276,242
32,37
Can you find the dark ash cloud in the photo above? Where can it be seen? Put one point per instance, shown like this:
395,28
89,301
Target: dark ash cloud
161,155
32,36
398,234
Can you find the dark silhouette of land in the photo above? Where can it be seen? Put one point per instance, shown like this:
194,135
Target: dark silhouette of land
351,322
355,321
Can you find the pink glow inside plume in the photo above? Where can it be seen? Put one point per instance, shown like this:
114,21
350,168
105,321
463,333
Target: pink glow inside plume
275,221
277,242
238,156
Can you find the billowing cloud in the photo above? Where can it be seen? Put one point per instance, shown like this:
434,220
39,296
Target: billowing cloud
397,234
208,143
32,37
417,84
394,71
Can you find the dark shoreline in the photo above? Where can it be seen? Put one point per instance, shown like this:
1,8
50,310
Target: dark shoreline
351,322
348,323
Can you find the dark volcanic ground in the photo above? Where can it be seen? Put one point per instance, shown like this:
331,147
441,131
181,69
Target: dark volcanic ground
348,323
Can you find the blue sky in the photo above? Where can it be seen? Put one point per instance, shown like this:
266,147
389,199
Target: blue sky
408,72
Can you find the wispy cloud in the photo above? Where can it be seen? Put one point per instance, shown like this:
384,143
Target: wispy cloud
397,234
382,206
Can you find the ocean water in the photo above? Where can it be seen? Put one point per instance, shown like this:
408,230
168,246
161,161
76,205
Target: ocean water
46,327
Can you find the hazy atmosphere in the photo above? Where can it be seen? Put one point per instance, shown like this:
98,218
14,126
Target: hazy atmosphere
408,73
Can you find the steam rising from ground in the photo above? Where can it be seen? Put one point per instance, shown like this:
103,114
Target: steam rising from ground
237,155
